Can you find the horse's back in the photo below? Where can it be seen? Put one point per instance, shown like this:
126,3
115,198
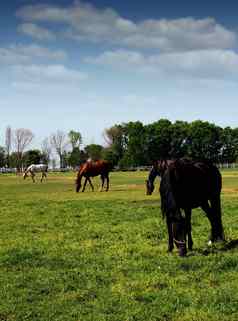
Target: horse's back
37,167
91,168
191,183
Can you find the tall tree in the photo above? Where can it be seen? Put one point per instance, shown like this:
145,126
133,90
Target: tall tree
33,156
158,140
76,157
204,140
134,154
75,139
179,139
59,142
116,142
22,138
94,151
2,157
229,149
8,143
46,150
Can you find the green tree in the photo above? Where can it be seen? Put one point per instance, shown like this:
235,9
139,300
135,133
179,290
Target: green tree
75,139
2,157
134,139
204,140
158,140
179,139
76,157
33,156
94,151
229,149
13,160
116,143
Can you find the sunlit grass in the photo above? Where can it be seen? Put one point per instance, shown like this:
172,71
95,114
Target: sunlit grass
102,255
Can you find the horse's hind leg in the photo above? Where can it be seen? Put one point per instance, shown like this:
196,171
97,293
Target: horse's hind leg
107,178
188,213
216,210
103,180
213,213
44,175
90,182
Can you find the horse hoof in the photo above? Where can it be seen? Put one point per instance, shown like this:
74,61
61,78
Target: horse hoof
182,253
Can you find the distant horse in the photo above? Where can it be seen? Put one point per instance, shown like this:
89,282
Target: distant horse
32,169
91,169
185,185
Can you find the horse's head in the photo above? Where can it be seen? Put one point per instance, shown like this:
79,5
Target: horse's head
151,177
78,181
149,187
78,185
24,175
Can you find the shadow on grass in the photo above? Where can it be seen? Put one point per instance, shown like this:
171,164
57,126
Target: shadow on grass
223,247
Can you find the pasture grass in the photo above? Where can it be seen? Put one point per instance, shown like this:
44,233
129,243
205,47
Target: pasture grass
102,256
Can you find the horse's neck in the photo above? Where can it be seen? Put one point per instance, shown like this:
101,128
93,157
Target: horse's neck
79,176
163,165
29,168
152,175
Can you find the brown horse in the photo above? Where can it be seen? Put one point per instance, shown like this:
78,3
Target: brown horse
185,185
92,169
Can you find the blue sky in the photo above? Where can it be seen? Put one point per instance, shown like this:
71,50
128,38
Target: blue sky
86,65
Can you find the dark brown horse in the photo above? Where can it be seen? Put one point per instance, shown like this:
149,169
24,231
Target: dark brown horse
185,185
92,169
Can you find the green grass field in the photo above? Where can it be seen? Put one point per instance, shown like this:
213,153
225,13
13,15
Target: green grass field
102,256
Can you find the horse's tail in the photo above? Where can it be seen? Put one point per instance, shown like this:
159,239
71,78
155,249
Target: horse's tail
46,168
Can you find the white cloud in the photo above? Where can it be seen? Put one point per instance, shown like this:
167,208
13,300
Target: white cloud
50,74
32,30
202,63
18,54
119,58
85,22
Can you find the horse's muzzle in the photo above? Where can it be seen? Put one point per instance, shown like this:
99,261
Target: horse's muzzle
78,186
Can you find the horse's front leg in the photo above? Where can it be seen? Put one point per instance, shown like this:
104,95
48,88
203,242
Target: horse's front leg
33,177
90,182
188,213
43,175
170,234
84,185
107,179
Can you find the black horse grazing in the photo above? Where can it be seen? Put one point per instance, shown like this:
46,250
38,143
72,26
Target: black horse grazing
185,185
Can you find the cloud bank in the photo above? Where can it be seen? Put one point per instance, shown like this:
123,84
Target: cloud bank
84,22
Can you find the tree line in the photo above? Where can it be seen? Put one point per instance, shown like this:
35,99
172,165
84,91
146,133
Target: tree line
135,144
126,145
